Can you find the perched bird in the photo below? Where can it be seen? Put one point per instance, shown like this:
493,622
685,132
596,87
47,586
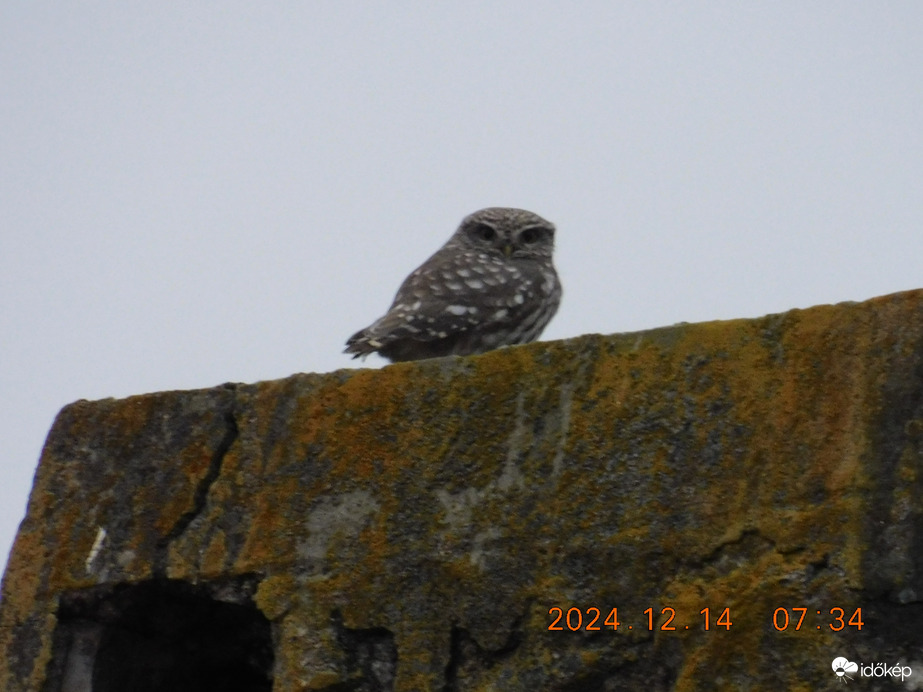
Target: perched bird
492,284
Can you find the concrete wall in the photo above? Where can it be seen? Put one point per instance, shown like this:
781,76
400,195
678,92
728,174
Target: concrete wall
420,527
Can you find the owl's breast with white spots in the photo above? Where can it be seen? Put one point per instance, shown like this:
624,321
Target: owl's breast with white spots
549,282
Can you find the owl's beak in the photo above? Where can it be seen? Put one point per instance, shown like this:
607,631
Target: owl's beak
507,250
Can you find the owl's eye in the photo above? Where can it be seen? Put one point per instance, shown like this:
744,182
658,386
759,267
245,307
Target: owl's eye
484,232
530,235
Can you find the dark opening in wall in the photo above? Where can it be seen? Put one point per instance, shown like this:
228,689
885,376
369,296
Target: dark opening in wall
162,635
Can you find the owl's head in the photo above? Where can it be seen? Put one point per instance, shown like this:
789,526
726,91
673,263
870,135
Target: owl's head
507,232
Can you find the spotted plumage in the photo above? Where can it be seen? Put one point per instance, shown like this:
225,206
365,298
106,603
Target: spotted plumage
492,284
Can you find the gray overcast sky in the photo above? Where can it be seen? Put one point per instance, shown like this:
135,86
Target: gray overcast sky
195,193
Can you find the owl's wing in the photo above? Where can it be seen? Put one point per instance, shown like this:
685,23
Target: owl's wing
442,299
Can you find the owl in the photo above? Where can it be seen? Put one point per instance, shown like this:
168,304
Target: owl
492,284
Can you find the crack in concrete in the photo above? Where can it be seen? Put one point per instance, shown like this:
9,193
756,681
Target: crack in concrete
200,496
371,653
468,656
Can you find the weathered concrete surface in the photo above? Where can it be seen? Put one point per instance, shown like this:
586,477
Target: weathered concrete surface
410,528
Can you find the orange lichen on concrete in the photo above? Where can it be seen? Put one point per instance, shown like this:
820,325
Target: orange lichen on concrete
430,517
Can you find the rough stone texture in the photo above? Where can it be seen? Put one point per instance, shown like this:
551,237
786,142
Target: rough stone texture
410,528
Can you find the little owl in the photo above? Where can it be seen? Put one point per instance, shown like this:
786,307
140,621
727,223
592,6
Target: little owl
492,284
